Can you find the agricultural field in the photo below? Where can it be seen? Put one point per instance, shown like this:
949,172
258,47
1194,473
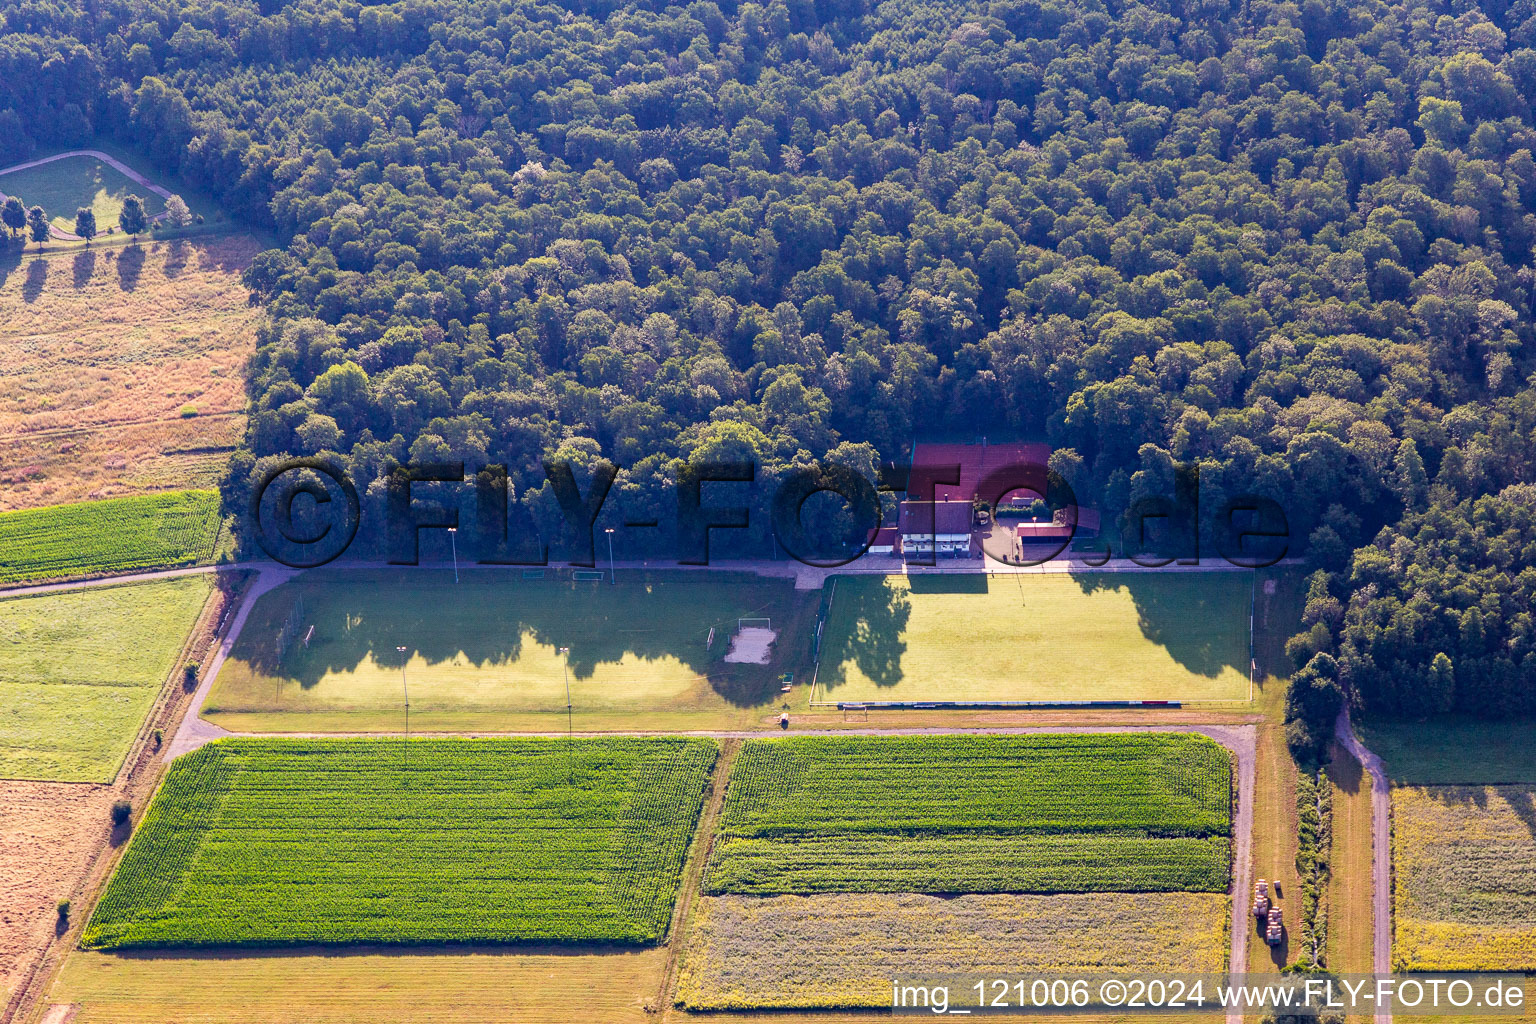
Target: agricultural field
80,668
968,814
120,369
951,863
1464,859
63,186
148,531
289,842
842,950
468,986
1017,637
831,853
1173,783
48,834
488,647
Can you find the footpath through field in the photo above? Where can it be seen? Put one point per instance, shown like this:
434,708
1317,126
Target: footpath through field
1381,849
95,154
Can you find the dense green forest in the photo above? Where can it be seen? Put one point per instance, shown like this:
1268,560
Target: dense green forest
1292,242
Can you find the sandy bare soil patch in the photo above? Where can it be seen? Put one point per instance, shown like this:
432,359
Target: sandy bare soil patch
120,368
48,833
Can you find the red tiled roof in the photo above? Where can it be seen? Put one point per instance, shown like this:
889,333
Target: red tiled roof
977,462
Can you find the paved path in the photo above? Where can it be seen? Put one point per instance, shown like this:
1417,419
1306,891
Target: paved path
194,731
103,581
96,154
1381,850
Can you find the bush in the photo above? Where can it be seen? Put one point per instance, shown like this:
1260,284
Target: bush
159,738
189,675
63,910
122,810
188,411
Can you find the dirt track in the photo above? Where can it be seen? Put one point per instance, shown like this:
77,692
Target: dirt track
1381,850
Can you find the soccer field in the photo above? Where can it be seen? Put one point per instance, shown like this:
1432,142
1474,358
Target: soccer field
1099,636
491,644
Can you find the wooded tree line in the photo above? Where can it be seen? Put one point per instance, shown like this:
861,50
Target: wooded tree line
1291,242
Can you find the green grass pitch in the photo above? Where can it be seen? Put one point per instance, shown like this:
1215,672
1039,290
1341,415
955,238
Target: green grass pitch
490,645
1020,637
80,668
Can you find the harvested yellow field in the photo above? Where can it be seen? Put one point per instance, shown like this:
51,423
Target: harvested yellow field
842,950
459,987
120,369
1465,858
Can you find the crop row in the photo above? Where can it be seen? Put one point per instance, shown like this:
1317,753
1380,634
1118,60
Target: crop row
273,842
145,532
1159,784
873,862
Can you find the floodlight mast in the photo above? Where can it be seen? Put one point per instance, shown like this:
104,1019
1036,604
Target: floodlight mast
453,538
609,532
407,690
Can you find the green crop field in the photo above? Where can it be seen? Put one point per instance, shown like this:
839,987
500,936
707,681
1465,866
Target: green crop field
150,531
80,668
1091,636
63,186
285,842
954,814
489,645
954,863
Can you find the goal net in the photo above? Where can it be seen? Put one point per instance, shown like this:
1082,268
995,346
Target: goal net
742,624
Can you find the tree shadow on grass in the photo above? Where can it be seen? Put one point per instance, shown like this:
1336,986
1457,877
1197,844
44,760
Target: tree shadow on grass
37,276
176,251
866,623
10,260
84,266
130,266
1183,613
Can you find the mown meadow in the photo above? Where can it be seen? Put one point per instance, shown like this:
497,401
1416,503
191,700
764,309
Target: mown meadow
286,842
79,669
